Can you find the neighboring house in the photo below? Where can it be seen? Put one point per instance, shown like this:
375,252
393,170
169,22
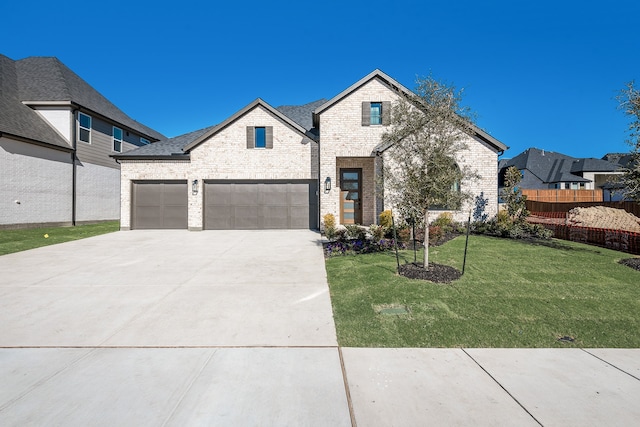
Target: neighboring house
283,167
542,169
56,137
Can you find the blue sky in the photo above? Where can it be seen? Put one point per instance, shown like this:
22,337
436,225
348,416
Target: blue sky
538,74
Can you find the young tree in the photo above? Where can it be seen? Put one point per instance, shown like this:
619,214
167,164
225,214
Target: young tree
512,195
629,99
427,133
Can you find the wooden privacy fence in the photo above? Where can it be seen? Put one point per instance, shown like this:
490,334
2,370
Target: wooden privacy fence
564,195
625,241
545,208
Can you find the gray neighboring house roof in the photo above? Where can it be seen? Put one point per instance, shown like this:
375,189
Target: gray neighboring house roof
18,120
552,167
47,81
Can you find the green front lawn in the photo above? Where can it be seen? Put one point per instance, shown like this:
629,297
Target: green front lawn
29,238
513,294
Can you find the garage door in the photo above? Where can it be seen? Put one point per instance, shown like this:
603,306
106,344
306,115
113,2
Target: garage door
159,204
256,205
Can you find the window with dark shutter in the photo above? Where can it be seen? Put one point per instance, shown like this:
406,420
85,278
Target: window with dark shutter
366,114
269,137
251,137
260,137
386,113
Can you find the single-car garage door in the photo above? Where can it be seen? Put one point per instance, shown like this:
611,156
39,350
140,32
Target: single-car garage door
254,205
159,204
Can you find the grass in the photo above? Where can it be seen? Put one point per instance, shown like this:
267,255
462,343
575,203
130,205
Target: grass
513,294
29,238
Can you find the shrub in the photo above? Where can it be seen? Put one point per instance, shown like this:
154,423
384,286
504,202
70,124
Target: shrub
435,234
377,232
329,226
444,221
348,247
385,219
403,234
356,232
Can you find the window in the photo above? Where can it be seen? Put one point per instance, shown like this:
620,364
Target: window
261,140
117,140
260,137
84,128
144,141
376,113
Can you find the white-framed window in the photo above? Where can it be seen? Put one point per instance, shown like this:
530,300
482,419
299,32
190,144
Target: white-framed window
84,128
144,141
117,140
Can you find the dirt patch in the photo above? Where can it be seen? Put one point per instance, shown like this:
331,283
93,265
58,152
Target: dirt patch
604,217
437,273
631,262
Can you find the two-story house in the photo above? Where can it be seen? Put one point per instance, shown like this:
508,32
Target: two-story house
57,134
285,167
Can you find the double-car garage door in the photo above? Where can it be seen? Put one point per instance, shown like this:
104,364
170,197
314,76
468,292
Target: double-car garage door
228,205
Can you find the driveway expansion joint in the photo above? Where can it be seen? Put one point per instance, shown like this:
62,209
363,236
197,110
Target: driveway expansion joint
502,387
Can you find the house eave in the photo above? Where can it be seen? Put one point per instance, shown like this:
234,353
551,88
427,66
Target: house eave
68,149
125,157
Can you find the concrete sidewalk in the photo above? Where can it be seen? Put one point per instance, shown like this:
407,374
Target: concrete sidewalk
235,328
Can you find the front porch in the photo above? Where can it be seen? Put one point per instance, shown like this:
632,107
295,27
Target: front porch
356,198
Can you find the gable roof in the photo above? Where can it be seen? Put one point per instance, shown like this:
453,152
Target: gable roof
181,145
46,80
552,167
397,87
18,120
255,104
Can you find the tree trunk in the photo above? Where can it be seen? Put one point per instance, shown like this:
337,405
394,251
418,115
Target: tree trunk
425,264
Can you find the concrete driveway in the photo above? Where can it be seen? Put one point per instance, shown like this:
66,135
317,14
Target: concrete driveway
172,328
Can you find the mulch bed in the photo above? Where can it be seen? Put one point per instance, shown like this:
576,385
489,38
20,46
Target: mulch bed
631,262
437,273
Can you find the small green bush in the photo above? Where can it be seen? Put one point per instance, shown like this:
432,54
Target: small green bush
444,221
356,232
377,232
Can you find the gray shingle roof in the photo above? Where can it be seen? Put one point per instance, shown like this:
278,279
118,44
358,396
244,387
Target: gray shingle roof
16,118
551,167
48,79
301,114
182,144
167,147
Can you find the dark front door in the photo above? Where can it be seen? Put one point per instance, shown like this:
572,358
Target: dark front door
351,196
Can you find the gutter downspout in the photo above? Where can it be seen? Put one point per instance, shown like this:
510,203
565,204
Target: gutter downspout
74,119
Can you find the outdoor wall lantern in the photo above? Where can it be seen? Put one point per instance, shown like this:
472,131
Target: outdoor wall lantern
194,187
327,184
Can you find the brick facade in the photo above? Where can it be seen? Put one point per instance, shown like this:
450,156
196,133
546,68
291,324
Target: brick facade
225,156
343,143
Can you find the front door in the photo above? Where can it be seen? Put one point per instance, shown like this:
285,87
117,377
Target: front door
351,196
